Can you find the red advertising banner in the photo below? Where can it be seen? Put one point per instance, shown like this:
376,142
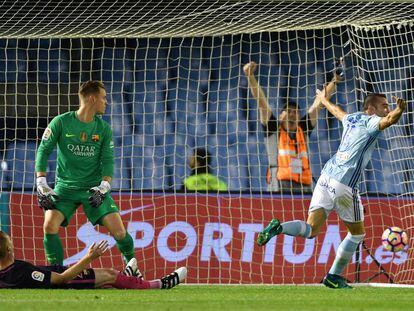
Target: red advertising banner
214,236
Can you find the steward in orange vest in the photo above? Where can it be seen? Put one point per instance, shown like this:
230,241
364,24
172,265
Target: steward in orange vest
292,159
289,167
293,167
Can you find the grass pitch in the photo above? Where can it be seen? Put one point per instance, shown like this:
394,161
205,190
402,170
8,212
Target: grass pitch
216,298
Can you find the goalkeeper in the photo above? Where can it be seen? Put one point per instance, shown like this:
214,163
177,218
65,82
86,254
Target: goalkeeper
85,164
22,274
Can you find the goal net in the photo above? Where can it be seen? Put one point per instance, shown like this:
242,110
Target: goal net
175,83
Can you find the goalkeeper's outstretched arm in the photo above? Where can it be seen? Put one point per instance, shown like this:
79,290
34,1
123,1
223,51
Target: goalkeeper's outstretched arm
258,93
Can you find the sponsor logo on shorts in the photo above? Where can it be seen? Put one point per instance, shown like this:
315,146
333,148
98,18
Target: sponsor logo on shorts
46,134
324,184
38,276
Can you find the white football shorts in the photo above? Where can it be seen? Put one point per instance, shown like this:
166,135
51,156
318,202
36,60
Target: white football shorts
330,194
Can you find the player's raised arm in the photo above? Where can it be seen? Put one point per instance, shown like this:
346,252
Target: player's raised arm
258,93
329,90
394,115
332,108
95,251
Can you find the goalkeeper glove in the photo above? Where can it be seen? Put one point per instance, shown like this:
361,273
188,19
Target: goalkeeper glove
98,193
46,196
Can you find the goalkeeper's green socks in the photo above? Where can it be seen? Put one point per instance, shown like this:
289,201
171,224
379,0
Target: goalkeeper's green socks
126,247
53,249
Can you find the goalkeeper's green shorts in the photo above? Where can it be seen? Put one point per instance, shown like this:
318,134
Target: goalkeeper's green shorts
70,199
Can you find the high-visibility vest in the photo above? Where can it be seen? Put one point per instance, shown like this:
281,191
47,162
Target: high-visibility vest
287,151
204,182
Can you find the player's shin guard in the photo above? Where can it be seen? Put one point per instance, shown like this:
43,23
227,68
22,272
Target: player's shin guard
126,247
344,253
131,282
296,228
53,249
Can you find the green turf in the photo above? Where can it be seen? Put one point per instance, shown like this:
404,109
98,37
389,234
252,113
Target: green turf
219,298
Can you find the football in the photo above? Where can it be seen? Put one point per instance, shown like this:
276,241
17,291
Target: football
394,239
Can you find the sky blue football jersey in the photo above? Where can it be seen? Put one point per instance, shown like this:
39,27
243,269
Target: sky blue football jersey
358,141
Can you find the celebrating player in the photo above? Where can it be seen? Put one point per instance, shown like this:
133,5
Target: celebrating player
337,186
21,274
85,166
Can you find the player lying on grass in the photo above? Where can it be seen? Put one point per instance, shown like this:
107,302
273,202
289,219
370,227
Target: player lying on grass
21,274
337,187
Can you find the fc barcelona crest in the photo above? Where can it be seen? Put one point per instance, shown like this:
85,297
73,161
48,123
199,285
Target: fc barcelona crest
95,138
83,137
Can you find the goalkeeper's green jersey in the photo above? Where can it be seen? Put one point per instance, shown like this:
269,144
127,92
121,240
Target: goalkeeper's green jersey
85,150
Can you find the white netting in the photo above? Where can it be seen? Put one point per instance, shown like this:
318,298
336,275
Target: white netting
172,94
56,19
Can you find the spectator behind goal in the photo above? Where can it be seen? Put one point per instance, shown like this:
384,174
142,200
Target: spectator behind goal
286,137
200,178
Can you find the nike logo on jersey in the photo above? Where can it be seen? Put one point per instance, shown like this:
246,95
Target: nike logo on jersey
70,135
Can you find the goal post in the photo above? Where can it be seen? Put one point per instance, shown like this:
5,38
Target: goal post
175,82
